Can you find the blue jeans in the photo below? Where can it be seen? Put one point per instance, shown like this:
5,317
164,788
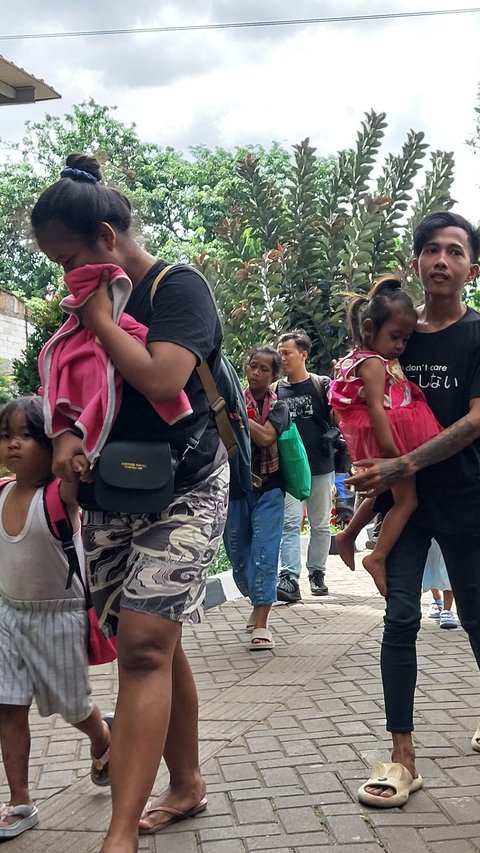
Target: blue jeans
252,541
319,510
405,566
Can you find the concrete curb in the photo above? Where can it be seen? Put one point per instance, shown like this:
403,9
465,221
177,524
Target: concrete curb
220,588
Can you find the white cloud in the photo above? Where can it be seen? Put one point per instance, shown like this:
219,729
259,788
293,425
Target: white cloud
230,87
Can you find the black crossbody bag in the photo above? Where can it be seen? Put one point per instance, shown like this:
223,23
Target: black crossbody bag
137,477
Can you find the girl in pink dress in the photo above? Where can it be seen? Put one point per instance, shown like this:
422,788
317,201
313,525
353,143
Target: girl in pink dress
380,412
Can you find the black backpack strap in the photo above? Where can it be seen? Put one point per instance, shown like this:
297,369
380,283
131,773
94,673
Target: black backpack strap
218,407
61,527
319,384
68,547
216,401
321,387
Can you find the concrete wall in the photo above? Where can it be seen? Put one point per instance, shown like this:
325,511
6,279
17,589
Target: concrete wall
14,329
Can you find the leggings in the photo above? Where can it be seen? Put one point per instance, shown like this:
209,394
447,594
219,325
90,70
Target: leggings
405,566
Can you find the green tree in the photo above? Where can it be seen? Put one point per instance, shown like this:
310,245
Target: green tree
178,201
294,250
282,238
46,319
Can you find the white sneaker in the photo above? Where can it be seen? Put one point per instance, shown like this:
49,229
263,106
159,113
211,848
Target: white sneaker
435,609
449,619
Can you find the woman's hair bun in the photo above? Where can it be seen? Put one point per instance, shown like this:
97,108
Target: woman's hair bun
81,201
82,163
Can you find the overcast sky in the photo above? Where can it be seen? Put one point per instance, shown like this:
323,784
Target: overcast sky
231,87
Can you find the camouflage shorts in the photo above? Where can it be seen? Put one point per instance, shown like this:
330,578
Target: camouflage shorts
156,564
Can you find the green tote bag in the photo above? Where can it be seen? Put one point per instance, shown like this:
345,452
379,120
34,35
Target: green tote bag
294,466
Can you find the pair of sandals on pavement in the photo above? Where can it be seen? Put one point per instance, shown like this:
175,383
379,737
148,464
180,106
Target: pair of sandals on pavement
396,777
27,817
26,814
261,639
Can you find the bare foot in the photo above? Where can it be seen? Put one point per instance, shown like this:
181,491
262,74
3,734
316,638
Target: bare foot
171,806
346,549
376,568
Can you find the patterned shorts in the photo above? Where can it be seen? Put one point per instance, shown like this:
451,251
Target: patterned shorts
156,564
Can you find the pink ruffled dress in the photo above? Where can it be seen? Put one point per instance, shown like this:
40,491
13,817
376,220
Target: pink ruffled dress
411,420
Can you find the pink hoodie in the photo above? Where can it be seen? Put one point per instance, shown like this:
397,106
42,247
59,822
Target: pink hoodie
80,385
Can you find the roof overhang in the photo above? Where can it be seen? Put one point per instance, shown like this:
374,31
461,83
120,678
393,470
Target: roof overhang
19,87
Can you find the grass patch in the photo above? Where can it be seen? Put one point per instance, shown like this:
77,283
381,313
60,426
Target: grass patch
221,562
318,812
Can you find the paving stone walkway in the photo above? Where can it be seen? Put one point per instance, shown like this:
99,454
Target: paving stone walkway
288,736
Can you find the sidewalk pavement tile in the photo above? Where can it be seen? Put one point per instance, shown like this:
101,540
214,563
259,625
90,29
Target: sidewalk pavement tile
287,738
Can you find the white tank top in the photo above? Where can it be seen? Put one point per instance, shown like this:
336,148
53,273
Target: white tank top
33,566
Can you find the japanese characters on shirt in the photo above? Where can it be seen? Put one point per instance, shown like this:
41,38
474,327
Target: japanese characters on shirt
446,366
428,375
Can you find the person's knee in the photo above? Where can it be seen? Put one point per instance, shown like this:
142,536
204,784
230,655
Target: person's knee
402,628
13,714
144,658
291,526
320,528
403,616
146,643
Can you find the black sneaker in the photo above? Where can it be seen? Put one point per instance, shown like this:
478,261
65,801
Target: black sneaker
317,583
288,589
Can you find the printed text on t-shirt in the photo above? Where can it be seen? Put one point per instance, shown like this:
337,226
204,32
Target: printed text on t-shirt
431,375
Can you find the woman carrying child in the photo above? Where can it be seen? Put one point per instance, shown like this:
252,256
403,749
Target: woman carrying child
254,524
159,559
381,413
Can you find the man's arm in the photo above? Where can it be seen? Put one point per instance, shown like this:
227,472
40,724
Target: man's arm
378,475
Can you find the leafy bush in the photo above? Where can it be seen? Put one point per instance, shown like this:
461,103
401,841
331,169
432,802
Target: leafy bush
221,562
7,389
46,319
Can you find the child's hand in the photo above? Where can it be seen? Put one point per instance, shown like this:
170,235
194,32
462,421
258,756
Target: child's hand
81,466
86,475
65,448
